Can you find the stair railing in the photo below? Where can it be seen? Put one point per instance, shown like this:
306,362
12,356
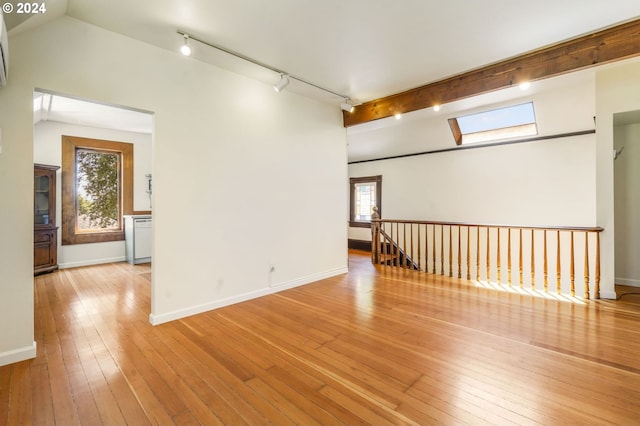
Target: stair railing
511,255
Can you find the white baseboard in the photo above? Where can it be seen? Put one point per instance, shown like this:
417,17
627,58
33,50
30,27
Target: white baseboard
198,309
628,281
91,262
17,355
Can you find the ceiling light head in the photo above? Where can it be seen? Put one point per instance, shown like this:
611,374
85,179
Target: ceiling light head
398,116
281,84
346,105
524,85
185,49
436,108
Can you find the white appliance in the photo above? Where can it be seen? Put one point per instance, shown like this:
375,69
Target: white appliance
137,234
4,52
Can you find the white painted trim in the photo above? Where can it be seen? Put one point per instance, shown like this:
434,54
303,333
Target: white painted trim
198,309
628,281
91,262
608,295
17,355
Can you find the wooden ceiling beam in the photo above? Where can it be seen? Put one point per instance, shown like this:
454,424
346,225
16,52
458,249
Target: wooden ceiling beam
608,45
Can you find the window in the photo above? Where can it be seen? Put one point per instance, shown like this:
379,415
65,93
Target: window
503,123
97,189
366,193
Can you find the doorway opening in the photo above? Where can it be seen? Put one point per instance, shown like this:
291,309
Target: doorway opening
626,154
56,115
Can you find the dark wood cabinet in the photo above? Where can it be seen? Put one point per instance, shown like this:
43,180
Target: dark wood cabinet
45,238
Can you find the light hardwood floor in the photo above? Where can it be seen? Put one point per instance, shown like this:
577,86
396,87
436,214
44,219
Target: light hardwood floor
376,346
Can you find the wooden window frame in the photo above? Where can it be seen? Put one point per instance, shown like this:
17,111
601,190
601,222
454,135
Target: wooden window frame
70,144
352,199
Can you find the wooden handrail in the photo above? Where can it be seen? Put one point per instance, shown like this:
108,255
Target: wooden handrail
493,225
441,251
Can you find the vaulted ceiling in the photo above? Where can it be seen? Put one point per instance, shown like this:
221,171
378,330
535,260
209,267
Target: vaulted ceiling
364,49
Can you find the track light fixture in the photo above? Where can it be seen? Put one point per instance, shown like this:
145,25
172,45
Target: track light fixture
284,76
346,105
185,49
281,84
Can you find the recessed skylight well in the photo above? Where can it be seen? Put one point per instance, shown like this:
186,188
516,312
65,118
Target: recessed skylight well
502,123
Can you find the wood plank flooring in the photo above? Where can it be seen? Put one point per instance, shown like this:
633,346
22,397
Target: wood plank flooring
375,346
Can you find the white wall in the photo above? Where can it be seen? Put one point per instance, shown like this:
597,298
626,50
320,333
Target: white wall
627,204
617,90
243,177
540,183
47,139
495,184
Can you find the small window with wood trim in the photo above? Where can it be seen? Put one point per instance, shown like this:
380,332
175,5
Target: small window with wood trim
502,123
366,193
97,189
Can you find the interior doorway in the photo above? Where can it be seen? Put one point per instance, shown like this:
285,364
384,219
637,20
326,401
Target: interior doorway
56,115
626,154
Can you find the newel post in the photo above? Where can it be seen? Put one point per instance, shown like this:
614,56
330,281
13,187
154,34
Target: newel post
375,235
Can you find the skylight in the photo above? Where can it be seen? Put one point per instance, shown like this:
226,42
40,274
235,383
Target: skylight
502,123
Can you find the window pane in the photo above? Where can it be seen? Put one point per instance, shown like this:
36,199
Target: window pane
365,198
517,115
97,189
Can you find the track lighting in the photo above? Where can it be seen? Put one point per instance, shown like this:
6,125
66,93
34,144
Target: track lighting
185,49
284,76
346,105
281,84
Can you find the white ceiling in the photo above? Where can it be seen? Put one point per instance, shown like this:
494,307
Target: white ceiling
55,107
364,49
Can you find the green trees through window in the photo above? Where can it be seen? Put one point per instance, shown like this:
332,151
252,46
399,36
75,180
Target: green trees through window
98,189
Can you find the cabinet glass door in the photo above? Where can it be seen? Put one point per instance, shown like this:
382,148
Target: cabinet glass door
41,202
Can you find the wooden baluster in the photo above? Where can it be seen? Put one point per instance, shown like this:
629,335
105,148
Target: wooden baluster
426,247
412,258
509,256
558,265
586,266
498,258
597,289
381,246
520,259
450,251
388,248
375,236
533,261
381,251
459,253
441,249
477,253
397,245
405,262
572,271
468,253
488,255
419,254
392,260
434,249
546,271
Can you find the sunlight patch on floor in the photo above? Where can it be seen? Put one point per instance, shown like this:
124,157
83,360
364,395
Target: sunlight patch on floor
529,292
